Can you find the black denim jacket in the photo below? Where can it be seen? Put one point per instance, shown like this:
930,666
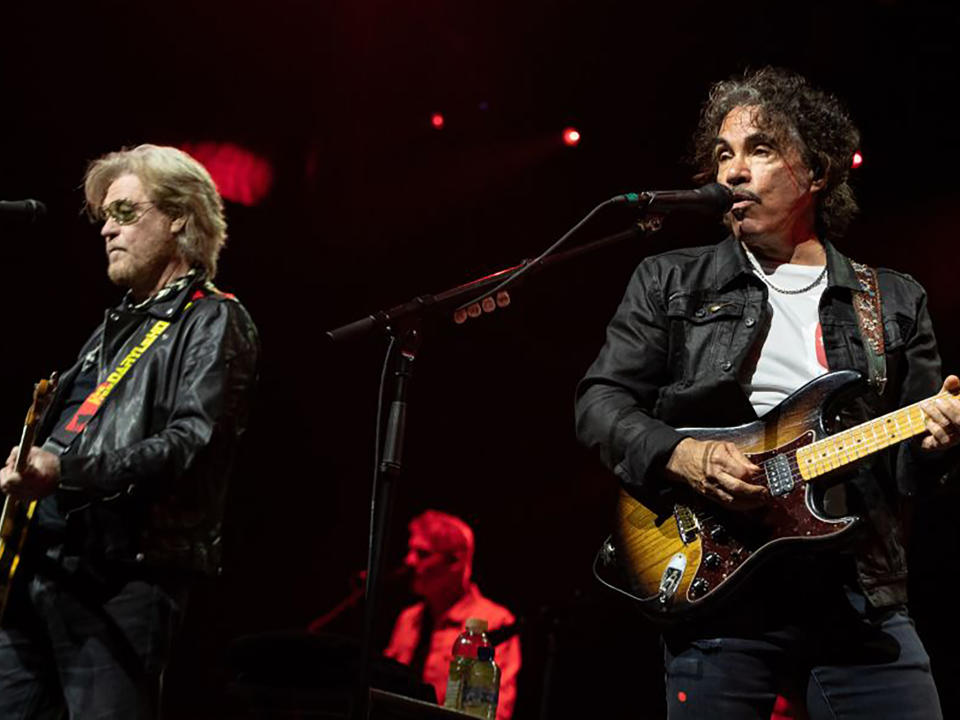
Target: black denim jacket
675,354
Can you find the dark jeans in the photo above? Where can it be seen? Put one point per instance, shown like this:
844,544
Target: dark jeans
834,658
96,650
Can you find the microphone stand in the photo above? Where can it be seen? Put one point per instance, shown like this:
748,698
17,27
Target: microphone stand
402,323
388,472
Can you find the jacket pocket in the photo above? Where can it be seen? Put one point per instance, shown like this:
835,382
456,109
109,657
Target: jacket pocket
701,331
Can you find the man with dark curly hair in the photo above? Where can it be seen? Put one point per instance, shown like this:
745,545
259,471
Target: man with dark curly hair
718,336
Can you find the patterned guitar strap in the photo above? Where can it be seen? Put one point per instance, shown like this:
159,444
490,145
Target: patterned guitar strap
866,303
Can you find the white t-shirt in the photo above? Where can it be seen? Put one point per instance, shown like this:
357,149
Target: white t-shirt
792,353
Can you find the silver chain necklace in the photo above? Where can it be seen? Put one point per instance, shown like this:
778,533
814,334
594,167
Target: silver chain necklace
763,276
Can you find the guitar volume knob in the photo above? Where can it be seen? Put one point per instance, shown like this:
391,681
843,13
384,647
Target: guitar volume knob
718,533
699,587
712,560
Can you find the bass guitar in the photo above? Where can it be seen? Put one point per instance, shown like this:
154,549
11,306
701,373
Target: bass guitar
17,514
678,552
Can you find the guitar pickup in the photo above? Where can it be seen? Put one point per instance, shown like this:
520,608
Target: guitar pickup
779,476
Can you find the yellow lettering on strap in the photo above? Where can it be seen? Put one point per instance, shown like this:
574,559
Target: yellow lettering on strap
94,400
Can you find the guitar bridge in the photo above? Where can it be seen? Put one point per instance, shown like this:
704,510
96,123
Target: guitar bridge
687,524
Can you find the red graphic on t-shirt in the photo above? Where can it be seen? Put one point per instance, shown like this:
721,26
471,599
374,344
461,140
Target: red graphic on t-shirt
821,353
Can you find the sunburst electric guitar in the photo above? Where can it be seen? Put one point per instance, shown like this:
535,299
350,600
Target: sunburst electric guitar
18,513
681,553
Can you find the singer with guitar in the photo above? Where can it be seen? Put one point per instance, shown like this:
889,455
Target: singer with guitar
772,549
131,459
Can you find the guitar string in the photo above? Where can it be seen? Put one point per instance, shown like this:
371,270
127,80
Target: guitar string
821,464
795,475
872,445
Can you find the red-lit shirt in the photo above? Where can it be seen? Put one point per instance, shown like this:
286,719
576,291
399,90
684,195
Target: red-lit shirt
782,710
406,635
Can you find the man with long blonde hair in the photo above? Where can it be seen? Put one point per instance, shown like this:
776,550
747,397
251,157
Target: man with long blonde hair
136,448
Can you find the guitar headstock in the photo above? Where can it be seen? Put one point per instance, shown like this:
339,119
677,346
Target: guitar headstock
42,395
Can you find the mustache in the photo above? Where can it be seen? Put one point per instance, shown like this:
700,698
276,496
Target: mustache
739,195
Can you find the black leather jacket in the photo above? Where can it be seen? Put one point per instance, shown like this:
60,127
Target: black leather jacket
674,355
145,481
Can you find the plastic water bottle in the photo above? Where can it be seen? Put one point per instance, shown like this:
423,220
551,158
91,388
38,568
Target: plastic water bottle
465,652
481,691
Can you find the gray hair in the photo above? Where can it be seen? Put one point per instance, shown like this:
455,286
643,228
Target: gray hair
178,185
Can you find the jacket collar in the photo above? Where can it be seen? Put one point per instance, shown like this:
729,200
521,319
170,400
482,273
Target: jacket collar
731,262
169,302
839,270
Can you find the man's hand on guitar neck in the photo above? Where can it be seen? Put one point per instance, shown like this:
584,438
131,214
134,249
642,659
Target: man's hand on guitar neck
942,418
716,470
38,479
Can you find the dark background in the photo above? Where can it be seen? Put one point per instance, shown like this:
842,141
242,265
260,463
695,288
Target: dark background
371,206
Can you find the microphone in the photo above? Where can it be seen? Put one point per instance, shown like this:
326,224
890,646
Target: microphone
28,209
712,199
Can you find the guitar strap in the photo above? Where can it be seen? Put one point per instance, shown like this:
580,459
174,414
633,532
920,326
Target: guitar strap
65,435
866,303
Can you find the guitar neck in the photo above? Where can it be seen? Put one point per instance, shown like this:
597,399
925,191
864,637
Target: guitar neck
849,446
26,442
42,392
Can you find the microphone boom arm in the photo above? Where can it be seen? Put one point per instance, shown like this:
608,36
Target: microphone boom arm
450,299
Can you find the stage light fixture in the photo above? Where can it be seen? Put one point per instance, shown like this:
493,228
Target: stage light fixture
857,160
241,175
571,137
437,120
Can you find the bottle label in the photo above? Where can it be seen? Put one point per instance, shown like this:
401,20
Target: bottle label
453,697
459,668
478,695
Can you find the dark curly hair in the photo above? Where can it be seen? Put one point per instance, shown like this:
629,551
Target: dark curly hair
794,113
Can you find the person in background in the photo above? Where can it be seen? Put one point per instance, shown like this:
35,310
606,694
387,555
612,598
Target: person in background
440,559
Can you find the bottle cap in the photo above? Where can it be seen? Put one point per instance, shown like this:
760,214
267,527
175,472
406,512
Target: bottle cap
484,653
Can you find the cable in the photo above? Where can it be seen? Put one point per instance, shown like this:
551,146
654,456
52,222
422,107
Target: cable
376,458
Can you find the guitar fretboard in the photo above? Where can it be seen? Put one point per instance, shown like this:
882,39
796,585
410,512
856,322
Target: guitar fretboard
851,445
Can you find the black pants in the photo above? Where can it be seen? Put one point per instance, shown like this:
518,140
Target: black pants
832,657
95,650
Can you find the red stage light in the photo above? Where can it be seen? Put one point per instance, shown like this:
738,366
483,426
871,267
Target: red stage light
240,175
437,121
571,137
857,160
682,696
